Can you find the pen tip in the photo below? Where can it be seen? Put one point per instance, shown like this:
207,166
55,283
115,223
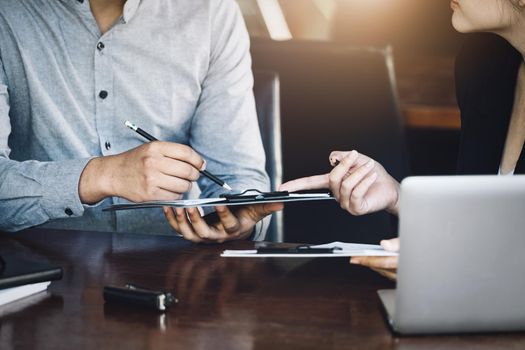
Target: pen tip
226,186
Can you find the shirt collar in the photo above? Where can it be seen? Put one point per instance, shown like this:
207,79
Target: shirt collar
130,7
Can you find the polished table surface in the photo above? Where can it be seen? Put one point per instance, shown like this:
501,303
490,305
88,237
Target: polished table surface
225,303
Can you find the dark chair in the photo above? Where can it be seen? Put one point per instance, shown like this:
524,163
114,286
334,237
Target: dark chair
267,99
334,98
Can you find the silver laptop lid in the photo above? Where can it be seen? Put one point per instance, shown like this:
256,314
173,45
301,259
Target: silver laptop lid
462,259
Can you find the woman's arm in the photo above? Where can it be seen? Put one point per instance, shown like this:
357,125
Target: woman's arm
360,184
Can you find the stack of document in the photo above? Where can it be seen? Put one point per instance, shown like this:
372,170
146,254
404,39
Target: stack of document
339,249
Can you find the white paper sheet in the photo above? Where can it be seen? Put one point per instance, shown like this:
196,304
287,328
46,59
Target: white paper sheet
347,250
11,294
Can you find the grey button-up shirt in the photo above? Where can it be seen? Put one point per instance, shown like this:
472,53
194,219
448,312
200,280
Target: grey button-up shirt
179,68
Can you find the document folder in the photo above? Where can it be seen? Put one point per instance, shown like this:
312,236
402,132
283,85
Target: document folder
245,198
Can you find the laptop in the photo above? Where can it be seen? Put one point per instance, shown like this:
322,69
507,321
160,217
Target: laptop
462,257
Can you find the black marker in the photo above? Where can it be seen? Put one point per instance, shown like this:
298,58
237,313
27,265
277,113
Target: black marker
139,296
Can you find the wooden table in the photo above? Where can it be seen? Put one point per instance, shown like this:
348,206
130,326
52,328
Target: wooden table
224,303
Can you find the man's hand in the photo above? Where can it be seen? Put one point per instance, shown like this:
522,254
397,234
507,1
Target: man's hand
358,183
229,225
153,171
384,265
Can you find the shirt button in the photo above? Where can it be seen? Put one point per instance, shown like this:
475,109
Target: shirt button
100,46
68,211
103,94
108,145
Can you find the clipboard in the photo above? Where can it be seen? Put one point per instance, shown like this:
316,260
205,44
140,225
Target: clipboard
251,196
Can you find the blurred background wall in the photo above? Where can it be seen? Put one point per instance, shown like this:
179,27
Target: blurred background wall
308,43
420,24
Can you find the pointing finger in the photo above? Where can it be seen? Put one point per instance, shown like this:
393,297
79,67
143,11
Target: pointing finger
306,183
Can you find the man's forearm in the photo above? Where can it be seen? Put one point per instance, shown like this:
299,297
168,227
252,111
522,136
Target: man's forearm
32,192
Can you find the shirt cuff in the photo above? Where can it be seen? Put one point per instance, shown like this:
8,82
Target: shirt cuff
60,197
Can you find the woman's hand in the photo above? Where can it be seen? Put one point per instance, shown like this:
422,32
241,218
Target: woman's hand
359,184
384,265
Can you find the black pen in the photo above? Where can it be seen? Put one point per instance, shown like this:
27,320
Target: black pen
297,250
149,137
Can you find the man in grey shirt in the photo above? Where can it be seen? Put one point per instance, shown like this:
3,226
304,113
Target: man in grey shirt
72,72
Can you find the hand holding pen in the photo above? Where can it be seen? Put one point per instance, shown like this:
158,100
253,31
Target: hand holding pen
151,138
152,171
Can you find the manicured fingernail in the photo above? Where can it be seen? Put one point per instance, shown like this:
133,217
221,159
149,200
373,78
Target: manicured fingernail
203,167
354,261
370,163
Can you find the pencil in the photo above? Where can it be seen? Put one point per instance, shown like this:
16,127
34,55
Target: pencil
149,137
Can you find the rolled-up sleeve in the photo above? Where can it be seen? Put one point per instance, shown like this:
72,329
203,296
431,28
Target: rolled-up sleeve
224,129
32,192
